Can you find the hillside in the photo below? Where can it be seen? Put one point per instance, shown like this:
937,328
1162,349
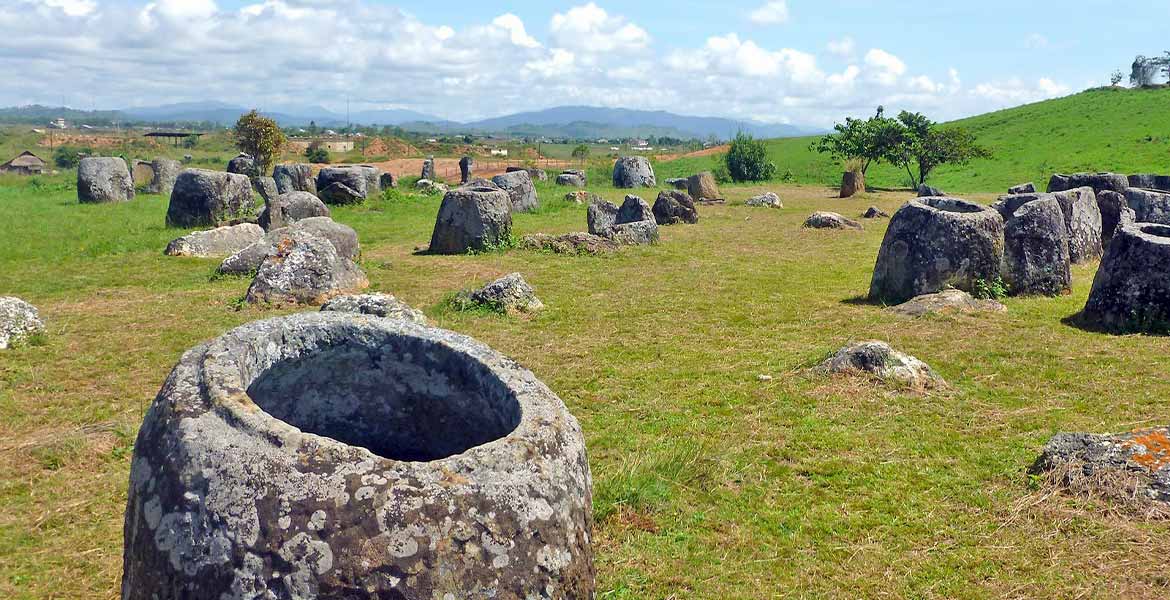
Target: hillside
1121,130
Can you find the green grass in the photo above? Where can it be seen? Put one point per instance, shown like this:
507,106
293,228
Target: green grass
708,483
1119,130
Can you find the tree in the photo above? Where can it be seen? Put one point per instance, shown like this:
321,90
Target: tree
867,141
1143,71
581,152
1115,78
68,157
317,154
925,146
261,138
747,160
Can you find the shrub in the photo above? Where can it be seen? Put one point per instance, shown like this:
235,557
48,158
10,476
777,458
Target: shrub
67,157
317,154
747,160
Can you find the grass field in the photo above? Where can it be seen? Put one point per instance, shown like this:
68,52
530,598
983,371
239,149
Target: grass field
708,482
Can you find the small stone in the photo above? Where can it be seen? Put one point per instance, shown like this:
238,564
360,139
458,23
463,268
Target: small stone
874,212
569,243
509,294
1027,188
879,360
429,187
831,220
1123,467
582,197
946,301
926,191
378,305
766,200
763,378
18,321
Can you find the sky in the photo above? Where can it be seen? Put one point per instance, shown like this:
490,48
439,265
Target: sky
803,62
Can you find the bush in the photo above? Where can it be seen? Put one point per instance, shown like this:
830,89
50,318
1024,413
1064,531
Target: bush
67,157
747,160
317,154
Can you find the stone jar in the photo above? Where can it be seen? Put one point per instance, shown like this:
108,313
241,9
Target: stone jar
1131,292
337,455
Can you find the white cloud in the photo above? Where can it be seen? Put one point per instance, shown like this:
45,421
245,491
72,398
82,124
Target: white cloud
843,48
589,28
72,8
885,68
515,28
772,13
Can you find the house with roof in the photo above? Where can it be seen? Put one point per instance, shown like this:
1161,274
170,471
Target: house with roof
26,163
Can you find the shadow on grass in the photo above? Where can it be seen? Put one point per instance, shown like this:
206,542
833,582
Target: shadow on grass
864,300
1078,321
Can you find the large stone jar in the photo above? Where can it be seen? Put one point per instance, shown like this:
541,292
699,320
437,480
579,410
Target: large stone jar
1131,292
334,455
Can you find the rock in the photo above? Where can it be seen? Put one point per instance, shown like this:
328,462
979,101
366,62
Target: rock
387,181
1082,218
204,198
265,186
304,268
935,243
1124,467
766,200
378,305
637,233
221,241
852,183
466,167
632,172
248,260
571,180
634,209
344,185
142,172
1036,255
1115,212
166,171
879,360
601,216
946,301
1131,292
831,220
679,183
702,187
631,224
509,294
318,454
1026,188
339,194
874,212
481,182
519,186
582,197
1100,182
18,321
286,209
1149,206
472,219
243,164
569,243
428,169
673,207
926,191
1150,182
294,178
534,173
428,187
104,179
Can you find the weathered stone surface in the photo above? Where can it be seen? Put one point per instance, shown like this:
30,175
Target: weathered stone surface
1131,292
378,305
1100,182
166,171
831,220
428,169
1150,182
702,186
634,209
569,243
387,181
466,169
1115,212
601,216
1149,206
428,187
673,207
874,212
520,189
142,172
630,224
879,360
104,179
332,455
339,194
926,191
935,243
221,241
1025,188
571,180
18,321
632,172
679,183
248,260
533,172
509,294
204,198
343,185
297,177
582,197
1082,219
286,209
472,218
765,200
304,268
243,164
265,186
1036,256
852,183
1124,467
944,302
636,233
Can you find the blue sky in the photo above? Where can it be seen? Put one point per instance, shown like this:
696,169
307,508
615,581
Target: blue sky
794,61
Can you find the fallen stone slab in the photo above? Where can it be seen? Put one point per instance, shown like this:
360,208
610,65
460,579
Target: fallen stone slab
378,305
343,238
765,200
944,302
874,212
304,268
218,242
1130,468
569,243
831,220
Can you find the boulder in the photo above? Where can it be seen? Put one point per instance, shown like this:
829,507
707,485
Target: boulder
632,172
634,209
935,243
296,177
1036,256
831,220
1150,182
879,360
466,167
509,294
534,173
18,321
1026,188
472,218
944,302
601,216
1082,219
204,198
286,209
673,207
481,182
266,187
248,260
1129,468
630,224
1115,212
571,180
569,243
243,164
221,241
520,189
387,181
334,455
304,268
1149,206
679,183
339,194
104,179
702,187
637,233
852,183
874,212
428,187
378,305
926,191
765,200
428,169
343,185
1131,292
1100,182
166,171
582,197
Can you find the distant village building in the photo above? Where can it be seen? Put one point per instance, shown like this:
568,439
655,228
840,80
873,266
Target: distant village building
330,144
25,164
58,123
499,151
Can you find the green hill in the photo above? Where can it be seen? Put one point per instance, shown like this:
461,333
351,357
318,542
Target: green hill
1121,130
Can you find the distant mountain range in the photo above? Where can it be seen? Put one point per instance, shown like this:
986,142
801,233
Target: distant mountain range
562,122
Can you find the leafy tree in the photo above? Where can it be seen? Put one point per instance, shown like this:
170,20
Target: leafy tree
68,157
581,152
747,160
317,154
1116,78
865,141
924,146
261,138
